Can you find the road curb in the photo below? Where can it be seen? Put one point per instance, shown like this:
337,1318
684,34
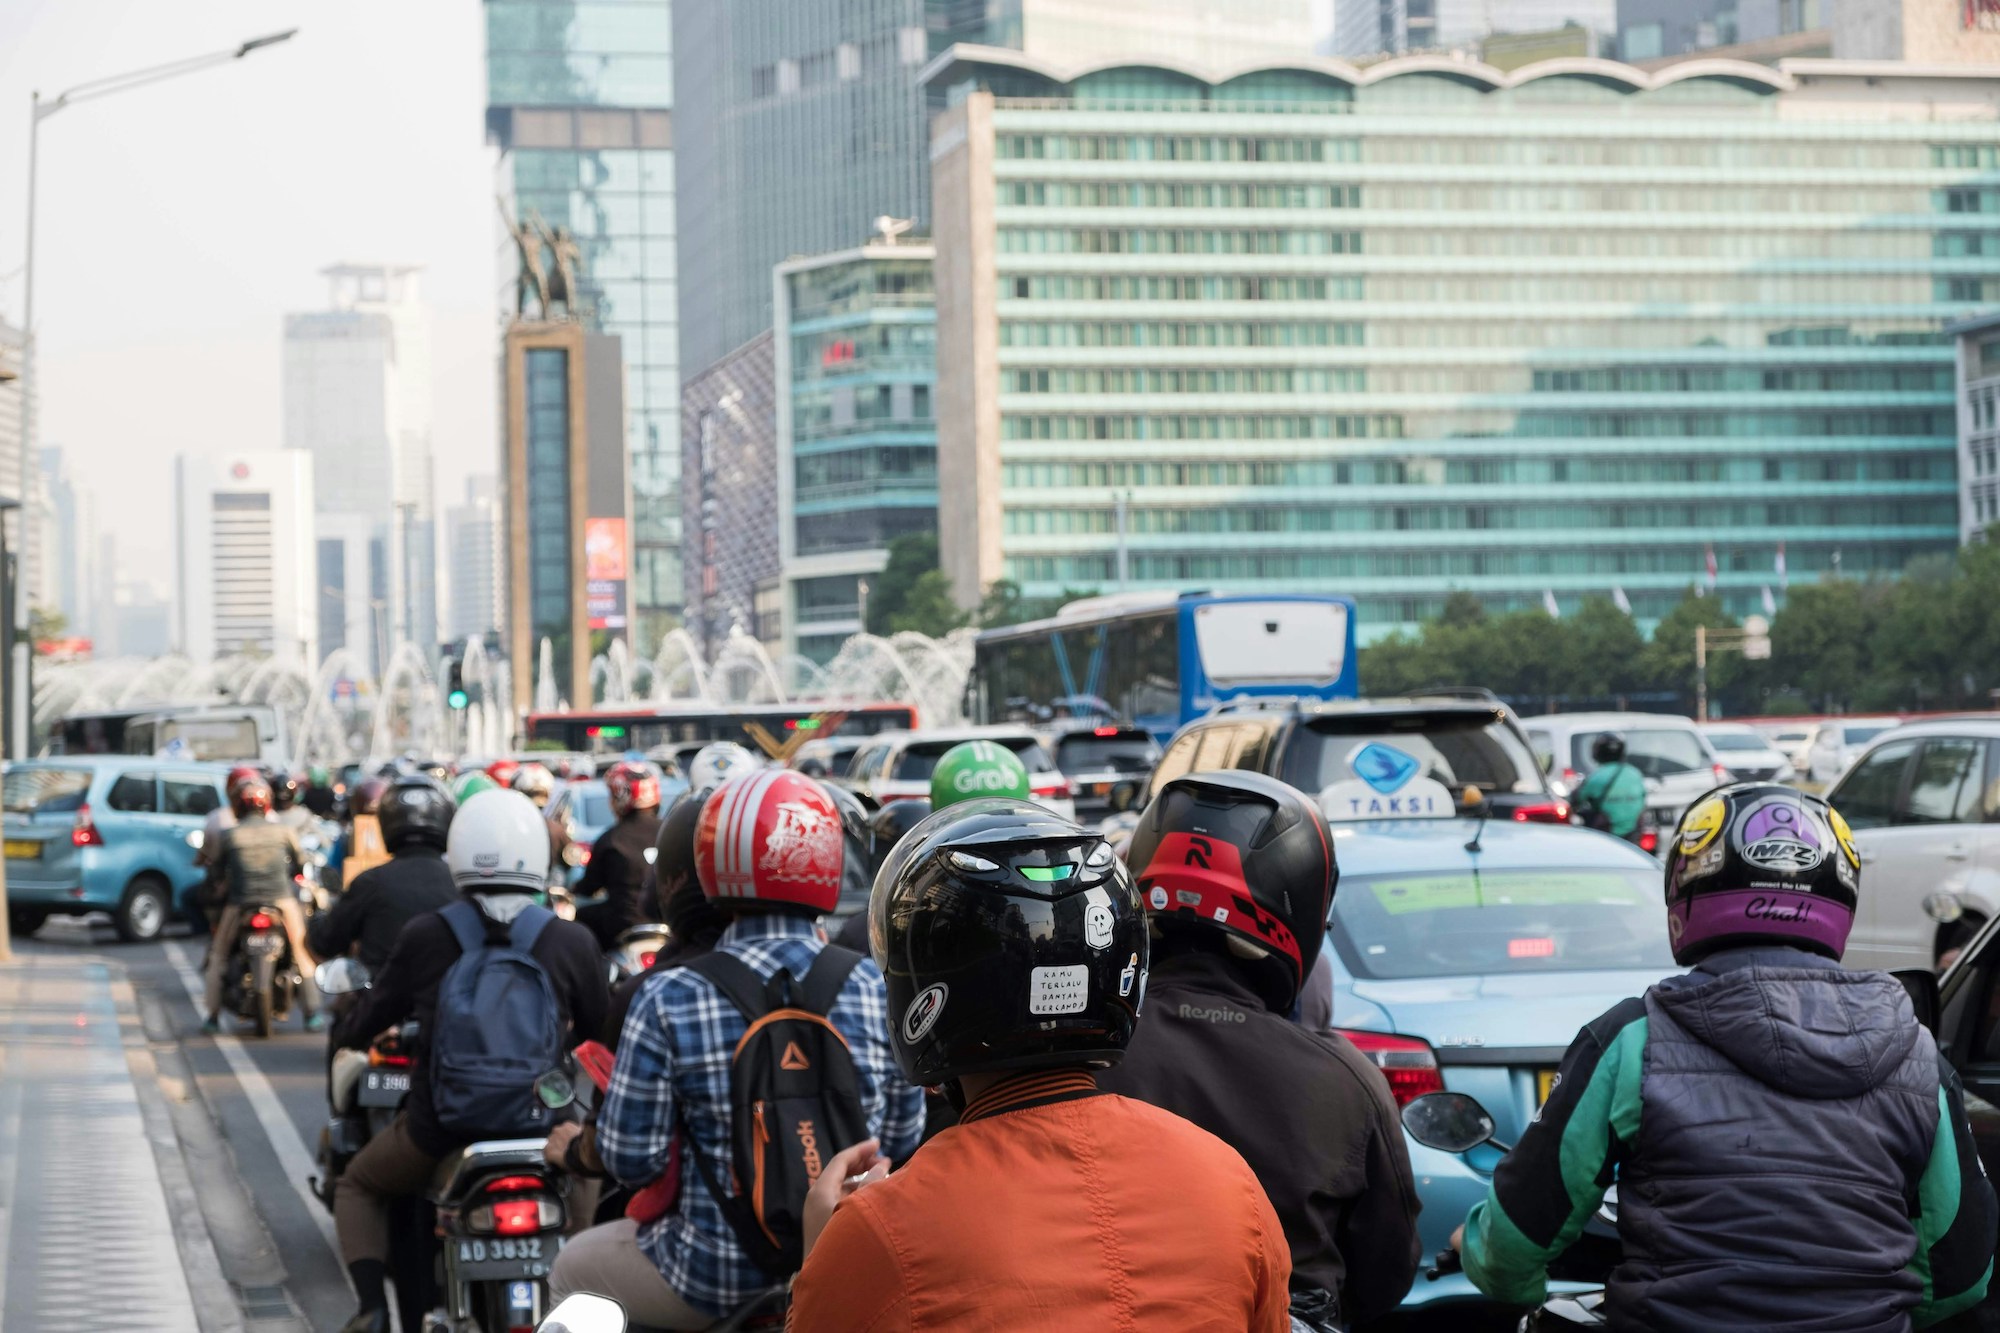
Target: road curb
233,1267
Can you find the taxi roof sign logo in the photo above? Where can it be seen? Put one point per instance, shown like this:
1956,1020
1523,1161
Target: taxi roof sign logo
1383,767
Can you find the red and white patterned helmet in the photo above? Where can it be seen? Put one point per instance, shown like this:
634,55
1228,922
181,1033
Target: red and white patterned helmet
631,787
770,837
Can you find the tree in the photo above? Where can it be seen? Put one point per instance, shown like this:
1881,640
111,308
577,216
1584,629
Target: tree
1668,661
1602,649
928,607
911,556
45,624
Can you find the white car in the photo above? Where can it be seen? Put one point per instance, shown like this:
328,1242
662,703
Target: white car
897,766
1834,743
1749,755
1923,802
1677,761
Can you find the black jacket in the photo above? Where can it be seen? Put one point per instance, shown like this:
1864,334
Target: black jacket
621,869
379,903
1310,1114
408,988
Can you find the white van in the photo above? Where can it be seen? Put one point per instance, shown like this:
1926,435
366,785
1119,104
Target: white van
1676,760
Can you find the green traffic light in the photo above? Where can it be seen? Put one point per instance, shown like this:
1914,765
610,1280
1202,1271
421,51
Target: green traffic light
458,698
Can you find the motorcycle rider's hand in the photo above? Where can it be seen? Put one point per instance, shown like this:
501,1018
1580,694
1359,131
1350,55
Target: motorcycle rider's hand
559,1140
1458,1238
849,1170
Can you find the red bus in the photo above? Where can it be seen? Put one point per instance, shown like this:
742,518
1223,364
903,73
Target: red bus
770,729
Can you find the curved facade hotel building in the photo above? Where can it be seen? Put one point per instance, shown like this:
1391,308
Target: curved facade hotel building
1429,326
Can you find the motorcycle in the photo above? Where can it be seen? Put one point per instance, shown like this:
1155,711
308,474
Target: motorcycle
635,949
1452,1122
262,975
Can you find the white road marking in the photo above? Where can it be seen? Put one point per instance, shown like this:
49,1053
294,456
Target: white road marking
295,1158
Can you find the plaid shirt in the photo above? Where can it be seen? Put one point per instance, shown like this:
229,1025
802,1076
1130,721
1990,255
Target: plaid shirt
673,1063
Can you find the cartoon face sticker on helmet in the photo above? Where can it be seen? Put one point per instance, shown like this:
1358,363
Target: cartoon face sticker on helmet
1701,825
1780,834
1849,864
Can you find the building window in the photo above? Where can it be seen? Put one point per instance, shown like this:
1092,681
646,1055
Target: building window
913,45
788,77
848,58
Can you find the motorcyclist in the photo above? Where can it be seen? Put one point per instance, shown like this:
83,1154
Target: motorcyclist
320,796
535,782
1015,951
620,867
416,819
1237,873
219,819
1791,1148
361,842
1613,797
973,769
258,859
469,784
716,764
768,856
497,854
503,771
286,805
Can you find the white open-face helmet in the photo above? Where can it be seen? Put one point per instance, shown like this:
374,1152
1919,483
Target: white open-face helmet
499,843
718,763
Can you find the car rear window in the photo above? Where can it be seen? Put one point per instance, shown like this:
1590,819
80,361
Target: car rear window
1459,749
1738,742
1657,752
1863,735
917,761
1125,752
593,809
1451,923
44,791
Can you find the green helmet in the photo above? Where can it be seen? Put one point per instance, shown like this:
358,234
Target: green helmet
977,769
469,785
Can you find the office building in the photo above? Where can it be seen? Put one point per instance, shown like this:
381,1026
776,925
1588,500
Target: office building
1409,330
566,508
729,438
66,571
1365,29
13,421
358,400
579,104
1232,32
244,557
1978,384
1924,32
857,430
472,546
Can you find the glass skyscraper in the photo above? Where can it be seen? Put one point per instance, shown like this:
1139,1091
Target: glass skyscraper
579,97
1422,328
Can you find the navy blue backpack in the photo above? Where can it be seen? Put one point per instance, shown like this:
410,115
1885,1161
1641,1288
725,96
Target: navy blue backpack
498,1029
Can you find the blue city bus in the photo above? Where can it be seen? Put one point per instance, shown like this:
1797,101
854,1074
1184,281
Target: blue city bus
1161,660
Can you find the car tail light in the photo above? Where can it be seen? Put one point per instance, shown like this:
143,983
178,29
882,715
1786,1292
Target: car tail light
84,833
1571,777
1105,731
1060,789
1549,812
1409,1063
1532,946
261,921
1722,774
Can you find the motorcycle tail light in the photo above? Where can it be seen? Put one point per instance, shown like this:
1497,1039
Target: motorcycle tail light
646,959
512,1184
261,921
392,1061
1409,1063
514,1217
1550,812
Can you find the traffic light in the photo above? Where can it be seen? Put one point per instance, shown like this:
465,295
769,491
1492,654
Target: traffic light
455,696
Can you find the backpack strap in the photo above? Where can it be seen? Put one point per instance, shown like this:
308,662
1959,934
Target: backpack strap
526,928
467,924
822,985
737,980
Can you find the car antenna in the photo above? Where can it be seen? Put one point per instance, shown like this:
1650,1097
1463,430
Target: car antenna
1473,794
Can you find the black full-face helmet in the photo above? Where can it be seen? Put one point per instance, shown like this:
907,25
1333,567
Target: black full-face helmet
1246,860
857,846
415,811
893,822
1608,748
1011,939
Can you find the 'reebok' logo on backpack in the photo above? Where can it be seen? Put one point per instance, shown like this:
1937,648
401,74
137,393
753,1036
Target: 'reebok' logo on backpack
794,1100
498,1029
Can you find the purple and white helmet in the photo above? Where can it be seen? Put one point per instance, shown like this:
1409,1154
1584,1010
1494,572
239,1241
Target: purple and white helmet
1759,863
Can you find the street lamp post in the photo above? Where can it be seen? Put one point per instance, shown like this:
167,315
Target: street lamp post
15,731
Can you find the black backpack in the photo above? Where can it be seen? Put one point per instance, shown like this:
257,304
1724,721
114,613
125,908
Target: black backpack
794,1101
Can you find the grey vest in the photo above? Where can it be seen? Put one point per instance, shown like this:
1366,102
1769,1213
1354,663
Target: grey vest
1787,1113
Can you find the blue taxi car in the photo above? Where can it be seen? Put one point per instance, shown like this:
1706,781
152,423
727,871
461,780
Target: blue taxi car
1465,956
105,833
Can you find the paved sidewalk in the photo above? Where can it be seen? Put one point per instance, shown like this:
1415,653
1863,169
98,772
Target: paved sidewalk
87,1239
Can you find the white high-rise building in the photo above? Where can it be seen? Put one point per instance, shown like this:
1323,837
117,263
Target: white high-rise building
358,399
472,548
244,567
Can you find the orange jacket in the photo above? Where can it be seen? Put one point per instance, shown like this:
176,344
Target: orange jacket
1055,1208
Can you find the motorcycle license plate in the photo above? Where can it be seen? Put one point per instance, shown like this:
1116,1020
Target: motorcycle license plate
262,944
504,1258
384,1087
1545,1083
23,849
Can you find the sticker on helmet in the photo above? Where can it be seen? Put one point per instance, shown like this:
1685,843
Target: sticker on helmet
1777,833
1700,825
1844,836
1158,898
923,1012
1059,990
1097,919
1126,977
803,845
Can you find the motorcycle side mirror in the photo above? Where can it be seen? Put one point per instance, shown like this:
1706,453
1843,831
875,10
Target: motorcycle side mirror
555,1089
1447,1121
195,839
341,976
584,1314
1922,987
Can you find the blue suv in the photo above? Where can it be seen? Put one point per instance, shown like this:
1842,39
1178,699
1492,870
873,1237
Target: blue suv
116,834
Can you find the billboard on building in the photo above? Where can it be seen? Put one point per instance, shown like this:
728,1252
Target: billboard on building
605,572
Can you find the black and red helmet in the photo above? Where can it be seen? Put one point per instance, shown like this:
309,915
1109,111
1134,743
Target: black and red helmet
251,796
1247,856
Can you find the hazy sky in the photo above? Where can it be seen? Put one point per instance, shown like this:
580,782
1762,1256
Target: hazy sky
178,224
